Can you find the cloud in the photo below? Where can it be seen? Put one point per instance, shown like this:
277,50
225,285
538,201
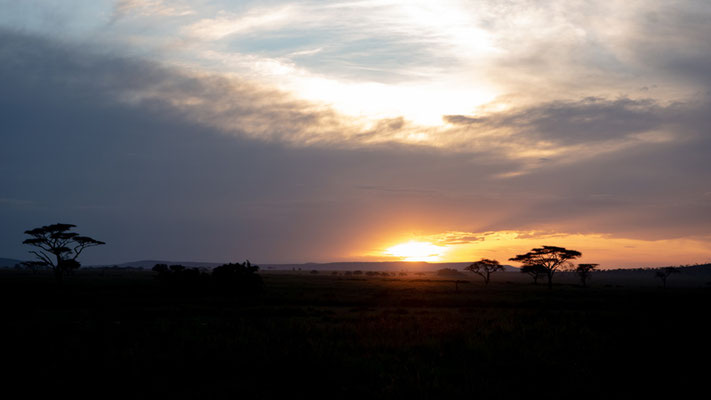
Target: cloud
254,20
159,8
587,128
169,163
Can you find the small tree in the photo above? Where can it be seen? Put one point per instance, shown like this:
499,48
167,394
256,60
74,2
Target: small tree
58,248
238,279
34,266
664,273
535,271
485,268
584,271
549,257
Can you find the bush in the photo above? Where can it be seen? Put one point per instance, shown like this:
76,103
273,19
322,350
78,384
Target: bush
232,278
183,279
237,279
448,272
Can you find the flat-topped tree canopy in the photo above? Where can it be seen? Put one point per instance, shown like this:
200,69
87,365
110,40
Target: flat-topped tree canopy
484,268
549,258
58,248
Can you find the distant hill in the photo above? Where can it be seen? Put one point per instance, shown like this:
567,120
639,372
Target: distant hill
8,262
390,266
698,269
148,264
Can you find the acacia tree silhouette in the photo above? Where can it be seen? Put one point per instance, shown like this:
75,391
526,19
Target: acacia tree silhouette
535,271
664,273
58,248
584,271
550,258
484,268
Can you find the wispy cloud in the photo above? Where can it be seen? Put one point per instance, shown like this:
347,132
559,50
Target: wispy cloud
157,8
252,21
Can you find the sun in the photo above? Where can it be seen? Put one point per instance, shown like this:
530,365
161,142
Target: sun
416,251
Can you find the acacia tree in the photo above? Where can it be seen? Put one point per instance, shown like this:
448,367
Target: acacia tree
535,271
584,271
664,273
550,258
58,248
485,268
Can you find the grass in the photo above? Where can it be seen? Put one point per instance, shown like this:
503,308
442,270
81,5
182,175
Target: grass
412,337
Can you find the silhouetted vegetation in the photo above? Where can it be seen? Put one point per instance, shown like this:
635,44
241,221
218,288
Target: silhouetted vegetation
182,279
484,268
57,248
550,258
584,271
535,271
665,273
448,272
238,279
233,279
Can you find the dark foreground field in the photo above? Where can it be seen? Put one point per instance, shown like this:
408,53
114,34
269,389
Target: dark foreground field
415,337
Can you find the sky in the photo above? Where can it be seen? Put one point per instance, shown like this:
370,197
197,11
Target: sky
318,131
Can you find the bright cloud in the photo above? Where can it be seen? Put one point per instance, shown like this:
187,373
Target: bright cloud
587,118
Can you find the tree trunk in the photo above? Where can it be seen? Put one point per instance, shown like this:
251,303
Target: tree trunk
58,272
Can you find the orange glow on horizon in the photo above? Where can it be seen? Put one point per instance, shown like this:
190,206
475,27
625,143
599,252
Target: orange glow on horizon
605,249
416,251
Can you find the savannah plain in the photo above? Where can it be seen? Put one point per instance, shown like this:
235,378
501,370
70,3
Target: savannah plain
122,333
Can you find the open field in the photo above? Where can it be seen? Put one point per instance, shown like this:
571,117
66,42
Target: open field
416,336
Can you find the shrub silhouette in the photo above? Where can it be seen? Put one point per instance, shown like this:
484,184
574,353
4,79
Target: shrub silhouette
448,272
238,279
584,271
535,271
183,279
232,278
664,273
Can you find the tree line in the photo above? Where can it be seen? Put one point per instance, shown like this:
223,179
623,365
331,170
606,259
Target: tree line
545,261
58,249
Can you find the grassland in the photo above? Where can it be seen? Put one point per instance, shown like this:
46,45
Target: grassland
121,334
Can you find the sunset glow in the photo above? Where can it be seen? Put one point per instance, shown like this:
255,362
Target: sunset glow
416,251
606,250
357,130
